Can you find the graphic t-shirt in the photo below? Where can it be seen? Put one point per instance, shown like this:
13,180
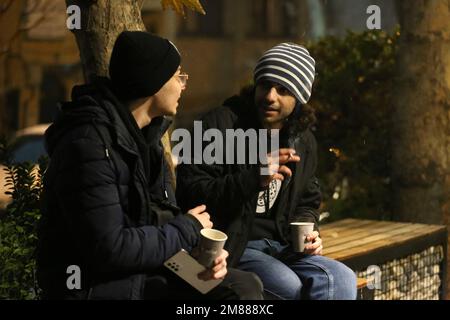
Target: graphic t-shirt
264,222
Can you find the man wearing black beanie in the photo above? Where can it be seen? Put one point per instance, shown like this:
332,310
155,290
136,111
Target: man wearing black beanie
109,209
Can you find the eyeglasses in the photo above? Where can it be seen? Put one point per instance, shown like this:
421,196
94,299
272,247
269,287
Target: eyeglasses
183,78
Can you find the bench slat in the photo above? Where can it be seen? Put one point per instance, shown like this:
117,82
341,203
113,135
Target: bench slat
357,233
367,240
344,222
330,231
361,283
383,243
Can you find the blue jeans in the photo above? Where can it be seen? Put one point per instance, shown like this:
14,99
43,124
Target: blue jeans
294,276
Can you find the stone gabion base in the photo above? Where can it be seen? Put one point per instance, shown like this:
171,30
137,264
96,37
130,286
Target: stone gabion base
415,277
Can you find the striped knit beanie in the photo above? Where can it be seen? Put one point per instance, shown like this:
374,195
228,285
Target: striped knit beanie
289,65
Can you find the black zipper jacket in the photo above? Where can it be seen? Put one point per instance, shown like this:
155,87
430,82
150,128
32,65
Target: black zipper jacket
106,206
230,191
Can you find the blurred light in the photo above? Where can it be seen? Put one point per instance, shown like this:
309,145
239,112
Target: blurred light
324,215
336,152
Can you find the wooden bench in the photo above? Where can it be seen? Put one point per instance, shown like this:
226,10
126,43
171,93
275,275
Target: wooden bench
362,243
363,290
362,283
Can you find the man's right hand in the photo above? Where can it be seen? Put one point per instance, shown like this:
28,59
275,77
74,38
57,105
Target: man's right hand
218,270
278,170
201,215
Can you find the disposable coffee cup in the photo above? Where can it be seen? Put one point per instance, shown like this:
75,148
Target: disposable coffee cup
299,232
210,246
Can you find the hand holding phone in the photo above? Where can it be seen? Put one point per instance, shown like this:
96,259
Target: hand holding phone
187,268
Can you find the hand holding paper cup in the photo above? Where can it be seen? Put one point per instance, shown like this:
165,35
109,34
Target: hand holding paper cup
299,232
211,244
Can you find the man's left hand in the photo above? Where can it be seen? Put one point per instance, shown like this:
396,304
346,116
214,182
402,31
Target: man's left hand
316,247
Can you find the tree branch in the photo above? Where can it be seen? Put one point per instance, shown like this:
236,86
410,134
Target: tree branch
5,7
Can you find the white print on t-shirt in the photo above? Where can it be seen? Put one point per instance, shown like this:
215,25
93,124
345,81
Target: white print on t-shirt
274,190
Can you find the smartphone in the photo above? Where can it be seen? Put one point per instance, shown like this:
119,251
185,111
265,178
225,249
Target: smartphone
187,268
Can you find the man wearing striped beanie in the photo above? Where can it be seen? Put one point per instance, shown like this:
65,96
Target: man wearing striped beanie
289,69
256,210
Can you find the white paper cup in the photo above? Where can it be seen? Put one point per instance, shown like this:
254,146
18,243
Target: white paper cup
299,232
210,246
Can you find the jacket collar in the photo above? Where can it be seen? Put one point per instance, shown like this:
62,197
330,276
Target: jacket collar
149,135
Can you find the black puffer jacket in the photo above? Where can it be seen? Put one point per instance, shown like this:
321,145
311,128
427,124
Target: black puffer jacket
230,191
100,210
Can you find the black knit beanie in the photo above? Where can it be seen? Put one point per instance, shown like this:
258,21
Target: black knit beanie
141,64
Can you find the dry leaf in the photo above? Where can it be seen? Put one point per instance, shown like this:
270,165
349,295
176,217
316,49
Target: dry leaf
178,6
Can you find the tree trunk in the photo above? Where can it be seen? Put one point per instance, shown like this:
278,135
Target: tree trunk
10,17
421,128
101,22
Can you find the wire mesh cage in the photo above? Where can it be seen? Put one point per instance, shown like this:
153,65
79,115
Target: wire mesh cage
393,260
416,276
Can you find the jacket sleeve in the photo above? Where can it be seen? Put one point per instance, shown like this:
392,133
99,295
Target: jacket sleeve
212,184
307,209
206,184
87,192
